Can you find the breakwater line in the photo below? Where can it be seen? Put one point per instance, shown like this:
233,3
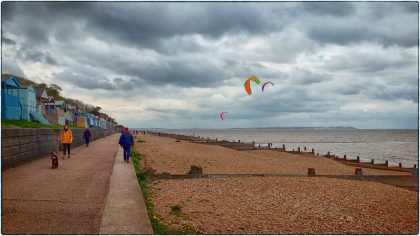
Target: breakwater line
247,146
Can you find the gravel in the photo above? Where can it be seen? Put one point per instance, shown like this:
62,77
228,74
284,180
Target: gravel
286,205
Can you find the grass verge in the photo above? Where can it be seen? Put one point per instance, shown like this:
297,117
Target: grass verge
30,124
158,227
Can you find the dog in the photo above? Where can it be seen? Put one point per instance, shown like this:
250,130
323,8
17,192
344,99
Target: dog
54,160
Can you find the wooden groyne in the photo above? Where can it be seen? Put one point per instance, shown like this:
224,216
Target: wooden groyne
247,146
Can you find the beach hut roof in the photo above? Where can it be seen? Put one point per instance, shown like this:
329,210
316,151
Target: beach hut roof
10,81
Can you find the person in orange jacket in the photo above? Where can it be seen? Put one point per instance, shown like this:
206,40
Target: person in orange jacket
66,140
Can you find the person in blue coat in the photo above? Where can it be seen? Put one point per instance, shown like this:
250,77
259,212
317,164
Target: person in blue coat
126,142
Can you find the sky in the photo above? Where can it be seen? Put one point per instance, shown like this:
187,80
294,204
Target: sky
179,65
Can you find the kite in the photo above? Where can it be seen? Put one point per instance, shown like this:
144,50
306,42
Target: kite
221,115
266,84
248,83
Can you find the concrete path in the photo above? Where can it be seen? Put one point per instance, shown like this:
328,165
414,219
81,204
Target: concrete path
69,200
125,211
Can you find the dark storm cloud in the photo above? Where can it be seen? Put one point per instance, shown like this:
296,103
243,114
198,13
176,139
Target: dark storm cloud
138,24
143,23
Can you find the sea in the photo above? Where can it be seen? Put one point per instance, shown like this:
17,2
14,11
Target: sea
394,145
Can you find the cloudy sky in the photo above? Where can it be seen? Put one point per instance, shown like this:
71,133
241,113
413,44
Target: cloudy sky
178,65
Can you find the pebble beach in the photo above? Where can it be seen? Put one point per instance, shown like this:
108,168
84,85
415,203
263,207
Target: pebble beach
272,205
165,155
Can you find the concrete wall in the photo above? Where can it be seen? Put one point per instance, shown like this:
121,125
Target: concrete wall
21,145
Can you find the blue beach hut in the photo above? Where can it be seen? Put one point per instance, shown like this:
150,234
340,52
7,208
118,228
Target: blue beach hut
10,105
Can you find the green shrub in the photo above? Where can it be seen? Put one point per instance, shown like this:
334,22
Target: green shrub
141,141
176,210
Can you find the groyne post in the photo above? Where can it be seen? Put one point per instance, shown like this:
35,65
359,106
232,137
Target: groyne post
345,157
304,148
284,147
358,159
311,171
386,163
400,165
299,149
358,171
372,161
313,151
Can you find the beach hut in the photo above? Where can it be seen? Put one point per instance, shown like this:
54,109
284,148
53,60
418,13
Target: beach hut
69,114
10,104
82,119
29,104
53,112
27,101
102,123
41,98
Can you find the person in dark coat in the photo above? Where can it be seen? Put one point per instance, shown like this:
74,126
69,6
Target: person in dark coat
126,142
87,136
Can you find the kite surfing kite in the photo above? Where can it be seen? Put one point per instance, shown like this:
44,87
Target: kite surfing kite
266,84
248,83
221,115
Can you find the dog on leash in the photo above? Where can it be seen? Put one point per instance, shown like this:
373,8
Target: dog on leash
54,160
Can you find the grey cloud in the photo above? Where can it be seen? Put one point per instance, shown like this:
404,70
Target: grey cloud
305,77
38,56
7,40
49,59
181,72
368,62
373,23
83,81
390,92
339,9
11,67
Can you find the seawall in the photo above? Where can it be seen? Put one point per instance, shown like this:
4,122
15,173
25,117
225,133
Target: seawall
21,145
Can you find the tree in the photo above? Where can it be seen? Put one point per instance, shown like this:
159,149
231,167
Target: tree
54,90
96,111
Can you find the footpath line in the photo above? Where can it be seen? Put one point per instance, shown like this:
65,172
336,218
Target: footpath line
125,211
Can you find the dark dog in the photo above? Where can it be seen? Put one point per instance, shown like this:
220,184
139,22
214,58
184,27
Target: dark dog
54,160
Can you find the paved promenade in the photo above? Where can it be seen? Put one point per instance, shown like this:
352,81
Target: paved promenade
125,204
69,200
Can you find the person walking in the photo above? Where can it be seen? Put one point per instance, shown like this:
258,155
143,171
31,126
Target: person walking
126,142
66,140
87,136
